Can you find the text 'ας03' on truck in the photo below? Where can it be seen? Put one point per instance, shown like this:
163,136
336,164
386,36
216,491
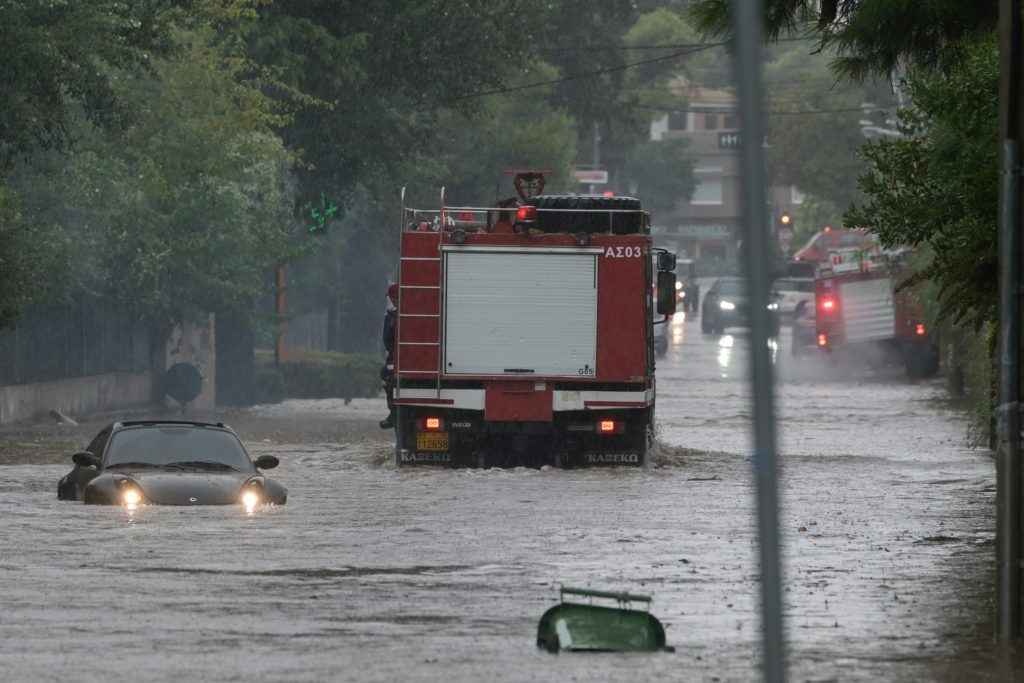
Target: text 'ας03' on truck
860,314
525,331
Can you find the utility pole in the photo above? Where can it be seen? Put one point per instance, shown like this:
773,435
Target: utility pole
747,17
1008,480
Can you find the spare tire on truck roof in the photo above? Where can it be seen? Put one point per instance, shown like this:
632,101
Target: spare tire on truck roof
596,218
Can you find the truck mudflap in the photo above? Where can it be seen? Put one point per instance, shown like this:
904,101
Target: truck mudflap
450,438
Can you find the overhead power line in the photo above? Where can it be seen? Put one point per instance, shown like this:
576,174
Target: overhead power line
586,74
662,46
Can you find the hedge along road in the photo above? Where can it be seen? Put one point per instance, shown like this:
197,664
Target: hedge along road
376,574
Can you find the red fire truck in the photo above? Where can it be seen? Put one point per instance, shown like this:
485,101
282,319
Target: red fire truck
859,312
532,344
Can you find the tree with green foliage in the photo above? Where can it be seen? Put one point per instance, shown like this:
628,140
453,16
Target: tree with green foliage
33,256
60,63
662,174
938,186
615,75
509,131
62,58
812,126
188,209
382,73
870,37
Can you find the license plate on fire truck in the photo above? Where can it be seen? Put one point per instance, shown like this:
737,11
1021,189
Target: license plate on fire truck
431,441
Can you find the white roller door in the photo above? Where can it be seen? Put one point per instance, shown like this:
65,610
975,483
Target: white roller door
868,310
520,314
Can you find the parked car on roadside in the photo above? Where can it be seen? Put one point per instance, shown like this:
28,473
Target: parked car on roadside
164,462
790,292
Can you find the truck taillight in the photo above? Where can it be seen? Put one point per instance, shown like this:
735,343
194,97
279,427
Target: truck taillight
828,304
823,340
611,427
526,213
920,330
430,424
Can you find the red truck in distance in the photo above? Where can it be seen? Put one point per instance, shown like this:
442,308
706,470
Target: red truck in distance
859,312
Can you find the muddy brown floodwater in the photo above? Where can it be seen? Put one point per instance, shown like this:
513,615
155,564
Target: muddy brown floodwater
371,573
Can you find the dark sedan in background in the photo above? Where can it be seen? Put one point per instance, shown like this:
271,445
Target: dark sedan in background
169,463
726,305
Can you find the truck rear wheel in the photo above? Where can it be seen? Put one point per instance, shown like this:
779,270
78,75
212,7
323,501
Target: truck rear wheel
921,360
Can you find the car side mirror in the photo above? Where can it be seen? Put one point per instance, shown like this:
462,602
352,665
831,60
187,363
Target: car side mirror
666,292
266,462
85,459
666,260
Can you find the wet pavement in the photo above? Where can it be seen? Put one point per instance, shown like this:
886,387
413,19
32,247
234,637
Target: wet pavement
371,573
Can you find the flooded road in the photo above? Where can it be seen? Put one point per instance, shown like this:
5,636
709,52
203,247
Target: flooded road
376,574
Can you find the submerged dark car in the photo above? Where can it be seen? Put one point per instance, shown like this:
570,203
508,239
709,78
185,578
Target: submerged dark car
169,463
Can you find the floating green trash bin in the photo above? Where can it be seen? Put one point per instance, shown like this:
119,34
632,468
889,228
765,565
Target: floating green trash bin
584,626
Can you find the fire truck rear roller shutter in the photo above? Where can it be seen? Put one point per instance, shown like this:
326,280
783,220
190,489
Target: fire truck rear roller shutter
596,222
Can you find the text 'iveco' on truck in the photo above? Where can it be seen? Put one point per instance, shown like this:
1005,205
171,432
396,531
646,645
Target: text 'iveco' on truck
525,331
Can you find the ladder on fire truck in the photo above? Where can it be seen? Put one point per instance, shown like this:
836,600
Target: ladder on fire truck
424,271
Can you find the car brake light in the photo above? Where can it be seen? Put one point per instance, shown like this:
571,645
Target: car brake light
828,304
822,340
526,213
920,330
433,423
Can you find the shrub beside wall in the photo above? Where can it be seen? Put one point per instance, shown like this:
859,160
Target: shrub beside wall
317,374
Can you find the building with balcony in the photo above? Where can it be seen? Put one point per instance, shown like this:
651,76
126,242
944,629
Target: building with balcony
709,224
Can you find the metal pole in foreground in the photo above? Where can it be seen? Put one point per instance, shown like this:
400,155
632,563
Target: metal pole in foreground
1008,479
747,16
1008,424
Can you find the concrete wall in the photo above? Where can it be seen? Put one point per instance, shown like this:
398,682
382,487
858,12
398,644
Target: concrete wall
195,344
74,397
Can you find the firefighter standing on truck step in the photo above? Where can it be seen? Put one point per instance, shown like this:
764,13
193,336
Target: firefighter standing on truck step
387,371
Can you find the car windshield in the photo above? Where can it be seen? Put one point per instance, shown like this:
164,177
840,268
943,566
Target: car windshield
729,287
186,446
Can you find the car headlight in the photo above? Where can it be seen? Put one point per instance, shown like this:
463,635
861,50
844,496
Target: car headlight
773,306
252,494
128,491
726,305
